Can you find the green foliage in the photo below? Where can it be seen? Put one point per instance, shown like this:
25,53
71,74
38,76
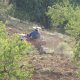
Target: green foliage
66,11
11,53
58,13
2,8
77,51
33,10
76,2
3,11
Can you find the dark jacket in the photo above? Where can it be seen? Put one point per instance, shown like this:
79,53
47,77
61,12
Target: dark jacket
34,34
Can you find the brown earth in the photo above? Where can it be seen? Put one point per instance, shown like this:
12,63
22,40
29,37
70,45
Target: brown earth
56,67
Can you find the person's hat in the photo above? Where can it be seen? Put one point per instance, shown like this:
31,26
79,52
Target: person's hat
37,28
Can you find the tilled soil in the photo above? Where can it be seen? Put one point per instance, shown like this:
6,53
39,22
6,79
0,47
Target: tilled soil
56,67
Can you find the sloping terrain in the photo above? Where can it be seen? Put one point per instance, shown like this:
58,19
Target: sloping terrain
55,64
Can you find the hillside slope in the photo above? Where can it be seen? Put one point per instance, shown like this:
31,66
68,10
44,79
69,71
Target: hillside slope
55,65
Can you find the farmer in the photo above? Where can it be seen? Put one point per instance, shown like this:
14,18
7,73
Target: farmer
34,34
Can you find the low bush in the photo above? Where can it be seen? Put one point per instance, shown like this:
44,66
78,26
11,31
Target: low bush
11,50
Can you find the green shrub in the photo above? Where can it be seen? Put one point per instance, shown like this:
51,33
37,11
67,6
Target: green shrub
77,51
63,11
11,50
